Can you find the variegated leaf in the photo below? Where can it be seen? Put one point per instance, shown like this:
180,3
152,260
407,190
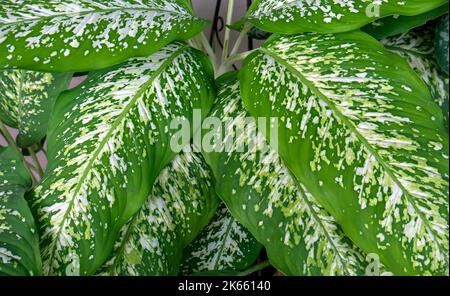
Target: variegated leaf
107,142
19,242
26,101
329,16
300,236
397,24
418,48
442,43
83,35
224,245
181,204
358,128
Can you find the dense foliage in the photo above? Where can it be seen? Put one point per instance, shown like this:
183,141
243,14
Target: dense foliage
326,153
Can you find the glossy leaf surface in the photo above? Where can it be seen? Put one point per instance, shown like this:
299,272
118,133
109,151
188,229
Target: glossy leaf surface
84,35
300,236
359,129
181,203
108,142
393,25
329,16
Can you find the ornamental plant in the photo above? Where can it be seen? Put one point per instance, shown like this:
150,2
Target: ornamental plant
325,152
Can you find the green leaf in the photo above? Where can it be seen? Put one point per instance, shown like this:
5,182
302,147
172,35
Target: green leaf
224,245
300,237
326,16
442,43
19,242
393,25
418,48
84,35
152,242
26,101
358,129
108,141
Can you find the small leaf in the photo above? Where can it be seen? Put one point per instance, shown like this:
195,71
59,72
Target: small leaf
393,25
84,35
358,128
224,245
442,43
325,16
418,48
181,204
300,237
26,102
19,242
108,141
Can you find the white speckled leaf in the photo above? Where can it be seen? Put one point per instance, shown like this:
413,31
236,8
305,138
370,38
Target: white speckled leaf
358,128
19,242
107,142
418,48
26,101
180,205
442,43
300,237
83,35
224,245
329,16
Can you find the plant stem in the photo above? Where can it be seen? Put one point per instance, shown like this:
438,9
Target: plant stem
207,47
254,268
12,144
38,166
228,60
241,37
32,166
9,139
236,57
226,42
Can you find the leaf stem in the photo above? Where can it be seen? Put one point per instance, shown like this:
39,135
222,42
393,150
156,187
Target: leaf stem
32,166
226,42
9,139
237,57
209,50
255,268
228,60
37,164
241,37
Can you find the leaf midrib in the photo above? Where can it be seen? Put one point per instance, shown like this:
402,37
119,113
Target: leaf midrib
314,216
224,239
349,125
84,12
320,222
102,144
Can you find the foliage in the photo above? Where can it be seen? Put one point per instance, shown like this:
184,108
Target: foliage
327,151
